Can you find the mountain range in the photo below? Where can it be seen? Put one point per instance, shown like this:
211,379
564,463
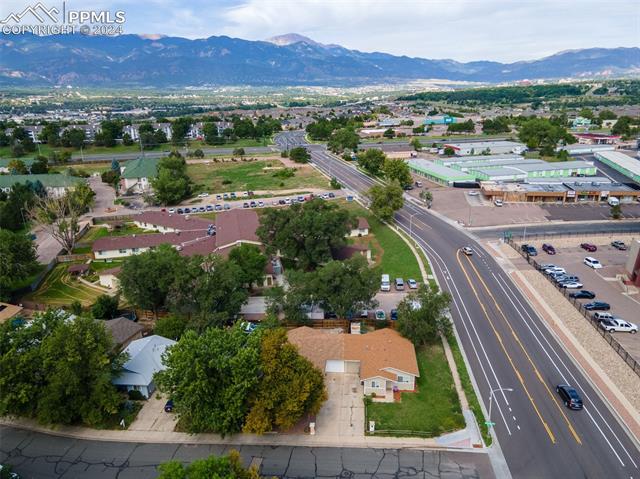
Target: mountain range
160,61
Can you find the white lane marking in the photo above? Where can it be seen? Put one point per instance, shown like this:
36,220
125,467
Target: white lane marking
500,282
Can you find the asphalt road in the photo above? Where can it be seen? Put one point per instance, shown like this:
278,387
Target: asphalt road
511,353
39,456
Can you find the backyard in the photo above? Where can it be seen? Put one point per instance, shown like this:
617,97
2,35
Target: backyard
84,244
432,410
261,175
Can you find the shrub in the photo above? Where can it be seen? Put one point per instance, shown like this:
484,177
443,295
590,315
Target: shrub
135,395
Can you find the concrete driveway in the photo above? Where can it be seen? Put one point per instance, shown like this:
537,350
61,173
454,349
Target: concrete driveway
343,412
152,416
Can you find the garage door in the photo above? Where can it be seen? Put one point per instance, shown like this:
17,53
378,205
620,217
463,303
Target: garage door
334,366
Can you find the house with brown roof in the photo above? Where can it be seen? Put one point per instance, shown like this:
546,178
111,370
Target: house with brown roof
383,359
9,311
361,228
164,222
122,330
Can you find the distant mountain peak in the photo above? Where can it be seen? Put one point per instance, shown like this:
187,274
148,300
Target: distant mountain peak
290,39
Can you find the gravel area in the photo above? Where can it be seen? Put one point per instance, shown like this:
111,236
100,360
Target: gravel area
590,339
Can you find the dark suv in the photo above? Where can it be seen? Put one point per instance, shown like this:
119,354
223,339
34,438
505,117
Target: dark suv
584,294
597,306
569,396
549,249
530,250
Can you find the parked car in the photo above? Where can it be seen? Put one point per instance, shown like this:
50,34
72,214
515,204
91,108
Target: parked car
394,315
554,270
225,196
233,195
418,184
261,204
168,406
597,306
325,196
544,266
399,283
187,210
364,314
566,278
583,294
203,195
253,204
287,201
210,207
245,205
529,249
618,326
619,245
602,315
180,211
474,193
218,207
227,206
332,195
571,285
380,315
202,209
589,247
592,262
218,197
467,250
498,203
413,284
549,249
569,396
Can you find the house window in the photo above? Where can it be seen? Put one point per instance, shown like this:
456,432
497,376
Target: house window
402,379
375,384
100,253
135,250
122,251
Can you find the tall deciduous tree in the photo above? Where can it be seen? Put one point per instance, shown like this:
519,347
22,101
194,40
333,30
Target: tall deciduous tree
15,205
17,260
290,386
225,467
343,139
372,160
299,154
172,184
305,233
251,262
397,170
386,200
421,315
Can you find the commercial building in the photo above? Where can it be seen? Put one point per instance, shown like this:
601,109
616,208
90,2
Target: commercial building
628,166
489,147
437,173
585,149
55,185
596,138
439,120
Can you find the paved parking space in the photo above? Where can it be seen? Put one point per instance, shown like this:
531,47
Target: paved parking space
343,412
152,416
605,283
588,211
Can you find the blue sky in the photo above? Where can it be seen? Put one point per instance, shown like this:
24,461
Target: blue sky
502,30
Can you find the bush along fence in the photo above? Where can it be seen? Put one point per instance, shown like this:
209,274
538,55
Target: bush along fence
617,347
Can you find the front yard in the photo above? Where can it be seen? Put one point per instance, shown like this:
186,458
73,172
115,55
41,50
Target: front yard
432,410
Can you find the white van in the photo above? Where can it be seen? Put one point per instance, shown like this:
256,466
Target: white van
613,201
592,262
385,283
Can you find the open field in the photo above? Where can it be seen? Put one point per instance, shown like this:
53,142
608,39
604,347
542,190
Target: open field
59,289
251,175
430,411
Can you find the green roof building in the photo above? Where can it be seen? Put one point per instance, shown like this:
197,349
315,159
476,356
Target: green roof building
136,174
4,163
56,185
438,173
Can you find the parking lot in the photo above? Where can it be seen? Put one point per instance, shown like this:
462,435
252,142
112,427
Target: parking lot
605,282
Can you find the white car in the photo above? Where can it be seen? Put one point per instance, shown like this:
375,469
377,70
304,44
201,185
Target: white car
592,262
261,204
571,285
325,196
498,202
412,284
172,210
474,193
467,250
555,270
203,195
618,326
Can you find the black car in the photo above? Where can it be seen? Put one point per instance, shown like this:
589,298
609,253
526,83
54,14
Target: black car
168,407
394,314
597,306
530,250
584,294
180,211
569,396
245,205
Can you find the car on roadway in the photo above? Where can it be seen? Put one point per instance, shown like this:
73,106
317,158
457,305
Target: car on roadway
413,284
467,250
380,315
589,247
569,396
474,193
617,325
498,203
168,406
571,285
549,249
583,294
597,306
619,245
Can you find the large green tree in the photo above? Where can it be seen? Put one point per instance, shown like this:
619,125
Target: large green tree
210,376
17,260
251,262
397,170
15,205
422,315
543,134
343,139
386,200
213,467
290,386
305,233
372,160
172,184
299,154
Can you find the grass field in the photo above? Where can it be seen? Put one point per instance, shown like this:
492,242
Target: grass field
96,232
59,289
250,175
430,411
89,168
388,250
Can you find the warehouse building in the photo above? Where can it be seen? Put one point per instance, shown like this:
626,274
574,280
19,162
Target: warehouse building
474,160
534,169
438,173
440,120
580,149
628,166
489,147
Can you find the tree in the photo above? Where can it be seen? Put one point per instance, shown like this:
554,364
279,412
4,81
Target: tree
304,233
251,262
179,129
40,166
172,184
492,126
415,143
616,212
210,376
146,279
15,206
58,370
17,167
198,153
50,134
389,133
290,386
449,151
225,467
372,160
463,127
386,200
211,135
586,113
73,137
622,126
105,307
21,141
17,260
82,196
344,287
544,134
397,170
426,195
421,315
607,115
238,152
110,130
171,326
299,154
127,140
343,139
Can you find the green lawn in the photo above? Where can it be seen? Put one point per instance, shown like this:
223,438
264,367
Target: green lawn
89,168
432,410
250,175
103,264
389,251
39,268
96,232
59,289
